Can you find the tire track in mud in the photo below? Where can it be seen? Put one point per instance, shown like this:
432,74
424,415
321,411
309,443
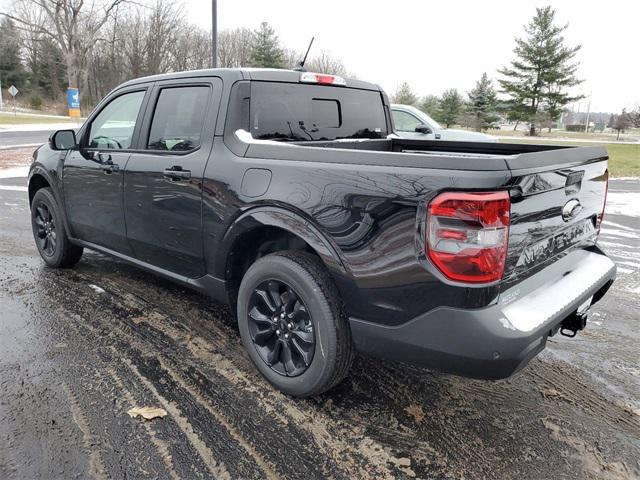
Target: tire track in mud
594,464
210,440
471,429
217,467
171,437
560,380
230,396
97,468
122,442
160,445
233,369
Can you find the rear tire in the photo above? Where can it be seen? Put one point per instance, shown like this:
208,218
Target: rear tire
49,233
293,323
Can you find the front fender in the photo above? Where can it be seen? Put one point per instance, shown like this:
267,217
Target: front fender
284,219
48,165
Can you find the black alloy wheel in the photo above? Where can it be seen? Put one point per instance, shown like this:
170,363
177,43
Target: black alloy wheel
45,227
281,328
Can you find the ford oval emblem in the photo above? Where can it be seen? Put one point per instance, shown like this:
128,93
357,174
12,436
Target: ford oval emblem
571,209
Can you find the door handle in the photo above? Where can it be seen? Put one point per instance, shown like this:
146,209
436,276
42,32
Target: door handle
177,173
109,169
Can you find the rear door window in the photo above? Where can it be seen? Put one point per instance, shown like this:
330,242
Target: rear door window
178,118
294,112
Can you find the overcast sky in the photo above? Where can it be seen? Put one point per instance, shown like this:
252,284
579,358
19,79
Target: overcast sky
435,45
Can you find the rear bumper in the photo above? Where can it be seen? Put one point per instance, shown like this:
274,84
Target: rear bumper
496,341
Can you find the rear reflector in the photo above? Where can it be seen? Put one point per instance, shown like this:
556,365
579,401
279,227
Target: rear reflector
321,78
467,235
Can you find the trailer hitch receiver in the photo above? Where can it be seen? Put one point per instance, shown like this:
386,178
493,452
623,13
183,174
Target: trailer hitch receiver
575,322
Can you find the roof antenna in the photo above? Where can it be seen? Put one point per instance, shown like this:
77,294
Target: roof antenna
300,66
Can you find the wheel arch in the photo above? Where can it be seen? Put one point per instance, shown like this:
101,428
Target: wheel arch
38,179
265,230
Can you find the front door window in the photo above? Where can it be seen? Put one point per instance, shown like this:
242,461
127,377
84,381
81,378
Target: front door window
113,127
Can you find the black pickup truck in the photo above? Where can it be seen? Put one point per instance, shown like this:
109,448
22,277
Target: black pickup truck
287,195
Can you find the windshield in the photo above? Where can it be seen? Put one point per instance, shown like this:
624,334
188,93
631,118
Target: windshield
431,122
299,112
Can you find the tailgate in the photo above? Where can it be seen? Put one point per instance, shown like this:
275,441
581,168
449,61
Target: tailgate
556,206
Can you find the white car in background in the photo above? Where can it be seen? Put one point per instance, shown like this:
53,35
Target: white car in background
410,122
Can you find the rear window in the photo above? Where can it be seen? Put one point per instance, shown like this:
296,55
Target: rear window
293,112
178,118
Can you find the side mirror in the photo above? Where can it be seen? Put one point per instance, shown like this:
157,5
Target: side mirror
422,128
63,140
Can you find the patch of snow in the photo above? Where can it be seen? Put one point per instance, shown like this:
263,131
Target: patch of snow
623,203
38,127
96,288
608,223
14,172
618,233
13,188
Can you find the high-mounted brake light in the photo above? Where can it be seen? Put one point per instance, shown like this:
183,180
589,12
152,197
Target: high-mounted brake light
467,235
321,78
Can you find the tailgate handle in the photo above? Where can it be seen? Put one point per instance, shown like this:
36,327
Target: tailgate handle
573,182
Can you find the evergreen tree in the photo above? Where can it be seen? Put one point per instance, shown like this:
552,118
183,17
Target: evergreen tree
483,104
404,95
451,107
431,105
53,70
265,49
543,71
11,68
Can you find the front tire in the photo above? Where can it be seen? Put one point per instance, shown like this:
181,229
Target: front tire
49,233
293,324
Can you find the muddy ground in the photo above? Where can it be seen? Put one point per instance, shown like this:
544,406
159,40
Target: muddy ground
80,347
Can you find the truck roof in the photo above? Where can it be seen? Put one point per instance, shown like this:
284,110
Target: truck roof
233,74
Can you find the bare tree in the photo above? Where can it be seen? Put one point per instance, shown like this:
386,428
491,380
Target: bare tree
73,24
191,49
160,33
234,47
292,58
325,62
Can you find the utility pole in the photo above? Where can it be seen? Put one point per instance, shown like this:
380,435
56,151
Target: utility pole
214,33
0,95
586,126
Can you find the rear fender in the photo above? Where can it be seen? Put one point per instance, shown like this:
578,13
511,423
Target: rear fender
285,220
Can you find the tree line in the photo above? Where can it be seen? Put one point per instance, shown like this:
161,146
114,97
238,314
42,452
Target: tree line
536,85
48,45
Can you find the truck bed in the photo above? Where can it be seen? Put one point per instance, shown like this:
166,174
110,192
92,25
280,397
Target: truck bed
435,154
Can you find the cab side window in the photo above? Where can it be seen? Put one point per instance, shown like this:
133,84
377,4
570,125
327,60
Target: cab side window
404,122
178,119
113,127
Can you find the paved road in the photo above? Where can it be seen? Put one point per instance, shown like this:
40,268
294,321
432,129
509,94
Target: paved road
80,347
9,139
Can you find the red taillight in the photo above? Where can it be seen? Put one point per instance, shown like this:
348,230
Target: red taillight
467,234
604,205
321,78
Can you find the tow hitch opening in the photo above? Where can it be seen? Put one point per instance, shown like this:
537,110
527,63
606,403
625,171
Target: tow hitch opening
575,322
